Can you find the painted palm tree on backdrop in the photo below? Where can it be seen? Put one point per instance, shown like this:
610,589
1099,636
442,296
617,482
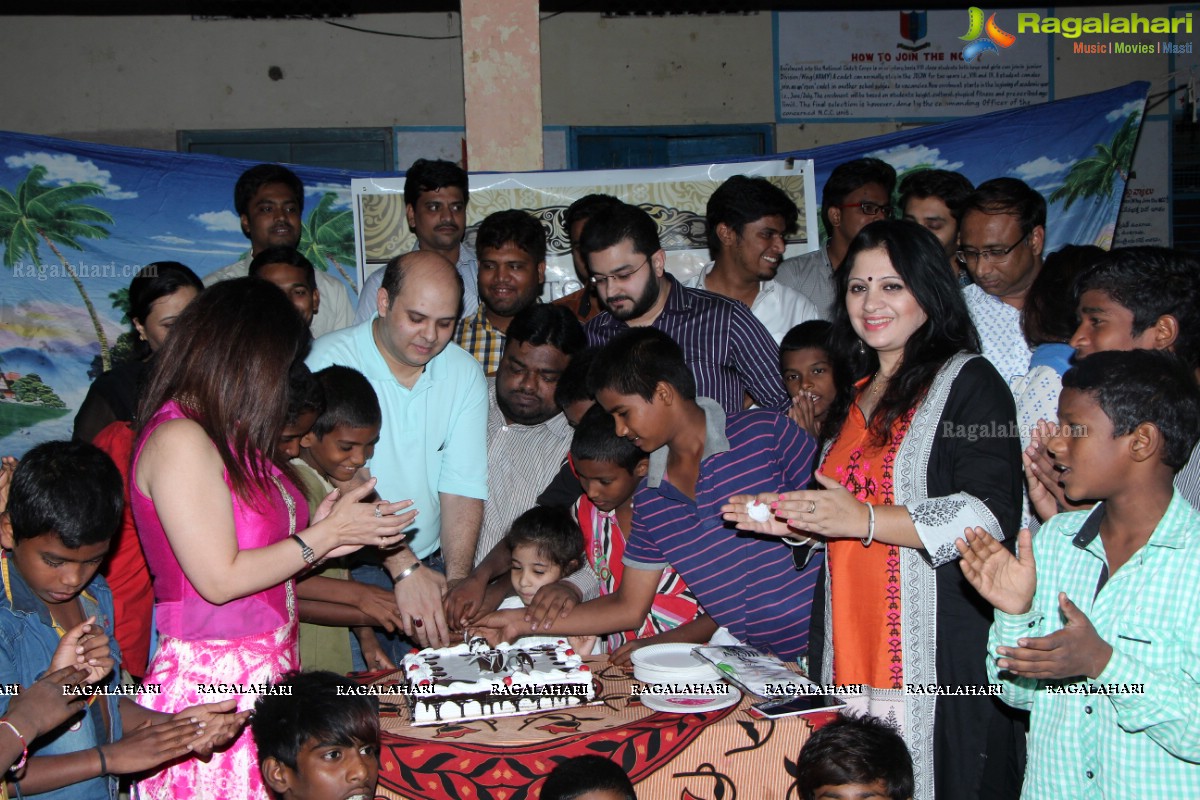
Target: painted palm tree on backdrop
1096,175
327,237
37,213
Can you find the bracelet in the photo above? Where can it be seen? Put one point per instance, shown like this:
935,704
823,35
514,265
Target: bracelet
103,762
24,746
310,556
870,526
404,573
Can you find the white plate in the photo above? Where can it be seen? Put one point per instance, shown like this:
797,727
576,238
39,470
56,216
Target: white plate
690,703
671,659
648,675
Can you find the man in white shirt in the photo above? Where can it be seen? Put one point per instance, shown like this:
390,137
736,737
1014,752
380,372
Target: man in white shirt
747,219
269,199
857,193
435,205
1001,238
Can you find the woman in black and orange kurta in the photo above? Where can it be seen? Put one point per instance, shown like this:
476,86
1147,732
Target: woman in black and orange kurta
927,449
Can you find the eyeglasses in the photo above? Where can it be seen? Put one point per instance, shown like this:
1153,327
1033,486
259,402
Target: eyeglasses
617,277
993,255
870,209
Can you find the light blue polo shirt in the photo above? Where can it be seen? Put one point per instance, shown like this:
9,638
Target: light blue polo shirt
434,435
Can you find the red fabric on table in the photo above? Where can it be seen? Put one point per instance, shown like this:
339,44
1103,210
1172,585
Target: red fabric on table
693,755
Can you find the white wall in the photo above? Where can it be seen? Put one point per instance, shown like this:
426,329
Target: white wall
137,80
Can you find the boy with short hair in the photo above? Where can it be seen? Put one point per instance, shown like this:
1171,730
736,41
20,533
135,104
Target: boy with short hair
855,758
287,268
609,469
64,506
1095,627
319,740
1133,297
698,459
330,451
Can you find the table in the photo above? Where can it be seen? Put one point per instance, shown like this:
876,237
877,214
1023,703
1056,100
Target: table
700,756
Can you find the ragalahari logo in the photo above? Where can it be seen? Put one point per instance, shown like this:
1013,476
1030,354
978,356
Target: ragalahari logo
984,37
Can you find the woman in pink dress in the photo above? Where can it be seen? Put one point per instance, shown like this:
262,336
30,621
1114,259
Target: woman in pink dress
224,527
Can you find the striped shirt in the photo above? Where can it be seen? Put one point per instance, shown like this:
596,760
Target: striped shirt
729,351
1133,733
747,583
521,461
482,339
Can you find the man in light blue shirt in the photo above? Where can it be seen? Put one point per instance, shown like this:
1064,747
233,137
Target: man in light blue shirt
433,445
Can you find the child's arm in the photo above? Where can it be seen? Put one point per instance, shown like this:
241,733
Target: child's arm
39,709
335,602
469,599
137,751
373,655
219,722
698,631
622,610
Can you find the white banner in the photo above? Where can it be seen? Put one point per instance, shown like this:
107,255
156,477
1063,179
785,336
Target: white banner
674,196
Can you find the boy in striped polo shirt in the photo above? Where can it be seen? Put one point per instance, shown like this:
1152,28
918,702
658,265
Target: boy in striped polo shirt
698,458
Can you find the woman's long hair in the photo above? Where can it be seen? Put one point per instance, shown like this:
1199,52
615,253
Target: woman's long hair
226,362
920,260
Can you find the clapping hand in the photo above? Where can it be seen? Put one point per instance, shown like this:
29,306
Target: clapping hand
1073,651
218,724
85,646
1004,580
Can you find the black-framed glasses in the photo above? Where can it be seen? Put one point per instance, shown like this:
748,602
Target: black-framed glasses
870,209
617,277
992,255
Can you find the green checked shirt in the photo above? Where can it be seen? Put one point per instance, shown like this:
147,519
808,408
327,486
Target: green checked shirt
1134,731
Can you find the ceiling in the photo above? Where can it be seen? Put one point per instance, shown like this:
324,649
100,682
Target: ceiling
274,9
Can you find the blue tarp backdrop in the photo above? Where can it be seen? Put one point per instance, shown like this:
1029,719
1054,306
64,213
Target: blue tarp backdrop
78,220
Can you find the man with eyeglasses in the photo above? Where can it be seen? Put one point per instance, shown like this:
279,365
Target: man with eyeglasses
1000,242
857,193
730,353
746,221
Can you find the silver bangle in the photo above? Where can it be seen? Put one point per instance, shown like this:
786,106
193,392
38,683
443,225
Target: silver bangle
404,573
870,526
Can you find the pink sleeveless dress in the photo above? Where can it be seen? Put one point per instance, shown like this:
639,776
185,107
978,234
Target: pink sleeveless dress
208,653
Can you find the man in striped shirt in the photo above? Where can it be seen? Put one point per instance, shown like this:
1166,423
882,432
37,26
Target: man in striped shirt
699,456
730,353
527,442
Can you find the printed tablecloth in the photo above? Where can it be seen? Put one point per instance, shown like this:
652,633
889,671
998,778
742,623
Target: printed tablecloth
714,755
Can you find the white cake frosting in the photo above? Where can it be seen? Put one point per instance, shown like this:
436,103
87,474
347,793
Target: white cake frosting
468,681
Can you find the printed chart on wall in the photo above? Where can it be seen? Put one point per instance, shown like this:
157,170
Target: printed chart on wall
674,196
906,65
1145,206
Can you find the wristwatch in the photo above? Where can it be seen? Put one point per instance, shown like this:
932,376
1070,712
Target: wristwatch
310,556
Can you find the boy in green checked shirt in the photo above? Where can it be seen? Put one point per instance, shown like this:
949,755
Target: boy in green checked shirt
1095,628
